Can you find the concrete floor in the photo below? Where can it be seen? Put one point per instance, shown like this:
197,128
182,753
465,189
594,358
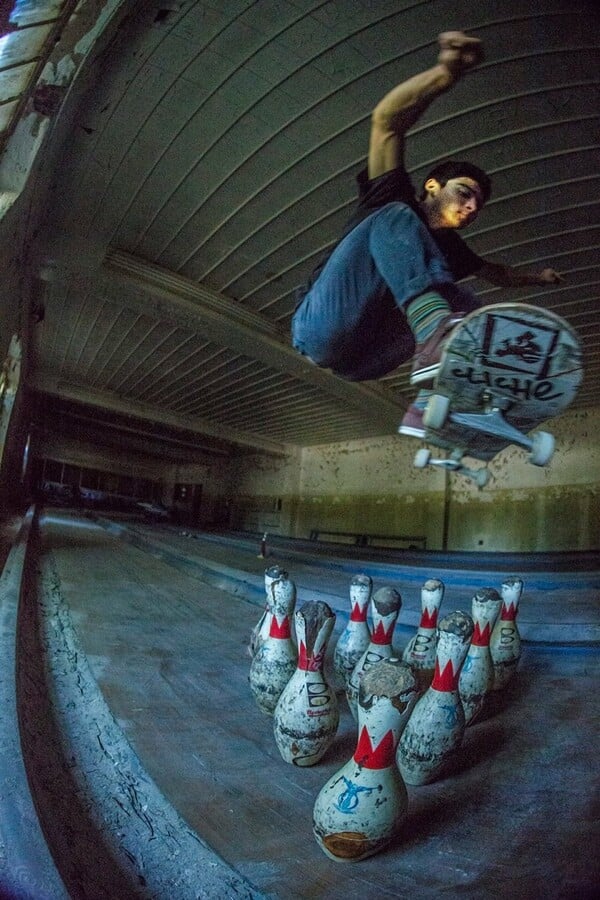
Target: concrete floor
515,817
9,528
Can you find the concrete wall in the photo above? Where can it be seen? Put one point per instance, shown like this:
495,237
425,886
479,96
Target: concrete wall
263,493
18,292
537,509
372,487
167,474
369,487
212,479
87,455
26,170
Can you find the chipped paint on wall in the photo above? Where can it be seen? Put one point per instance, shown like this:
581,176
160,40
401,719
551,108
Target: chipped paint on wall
557,518
372,487
368,466
262,491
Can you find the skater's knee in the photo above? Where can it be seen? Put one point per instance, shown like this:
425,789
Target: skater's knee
399,223
315,350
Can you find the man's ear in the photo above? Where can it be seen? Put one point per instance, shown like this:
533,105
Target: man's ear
432,186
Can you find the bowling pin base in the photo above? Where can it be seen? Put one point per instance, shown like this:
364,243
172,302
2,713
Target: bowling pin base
308,739
268,686
503,672
349,846
302,752
418,777
473,706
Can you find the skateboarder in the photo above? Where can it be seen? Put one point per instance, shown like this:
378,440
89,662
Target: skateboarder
387,290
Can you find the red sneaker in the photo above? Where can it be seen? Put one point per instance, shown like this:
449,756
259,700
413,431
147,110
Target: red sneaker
426,360
412,423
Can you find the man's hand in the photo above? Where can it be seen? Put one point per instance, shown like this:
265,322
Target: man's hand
549,276
507,276
458,52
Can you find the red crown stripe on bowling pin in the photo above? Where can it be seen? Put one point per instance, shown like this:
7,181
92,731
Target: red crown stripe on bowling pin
280,631
428,620
358,614
509,612
380,635
380,757
309,663
481,638
446,679
303,660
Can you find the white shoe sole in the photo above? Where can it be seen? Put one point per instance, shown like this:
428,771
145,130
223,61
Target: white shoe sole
427,374
411,432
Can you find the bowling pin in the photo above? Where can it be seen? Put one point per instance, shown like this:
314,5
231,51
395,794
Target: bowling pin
359,810
477,674
354,639
419,653
505,642
437,723
385,609
261,630
306,717
275,660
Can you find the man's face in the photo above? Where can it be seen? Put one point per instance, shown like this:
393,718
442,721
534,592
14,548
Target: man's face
453,205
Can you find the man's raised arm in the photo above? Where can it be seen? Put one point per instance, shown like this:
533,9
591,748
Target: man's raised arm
404,104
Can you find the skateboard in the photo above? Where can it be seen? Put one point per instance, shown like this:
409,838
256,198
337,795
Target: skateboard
504,369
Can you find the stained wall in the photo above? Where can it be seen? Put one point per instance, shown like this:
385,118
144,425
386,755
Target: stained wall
372,487
166,474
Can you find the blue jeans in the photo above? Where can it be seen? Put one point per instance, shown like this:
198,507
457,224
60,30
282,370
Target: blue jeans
352,319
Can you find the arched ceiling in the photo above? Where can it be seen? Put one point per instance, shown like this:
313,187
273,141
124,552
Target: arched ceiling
211,161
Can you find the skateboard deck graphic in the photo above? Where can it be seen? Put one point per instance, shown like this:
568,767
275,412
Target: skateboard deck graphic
504,369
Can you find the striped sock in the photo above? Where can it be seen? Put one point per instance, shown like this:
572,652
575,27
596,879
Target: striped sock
424,314
420,401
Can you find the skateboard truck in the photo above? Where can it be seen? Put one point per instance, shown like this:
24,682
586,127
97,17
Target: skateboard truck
491,421
454,463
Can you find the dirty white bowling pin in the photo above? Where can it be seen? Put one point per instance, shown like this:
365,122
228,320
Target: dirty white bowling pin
261,630
385,609
359,810
275,660
505,642
354,639
477,674
437,724
306,717
419,653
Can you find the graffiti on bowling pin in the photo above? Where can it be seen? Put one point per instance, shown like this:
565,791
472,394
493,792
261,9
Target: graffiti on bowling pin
420,650
436,727
306,717
354,639
505,642
261,630
385,609
276,658
477,674
360,808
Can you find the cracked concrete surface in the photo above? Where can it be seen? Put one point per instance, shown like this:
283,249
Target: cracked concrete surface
514,816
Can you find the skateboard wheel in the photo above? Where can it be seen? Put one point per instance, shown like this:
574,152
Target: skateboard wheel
542,449
422,458
436,411
482,477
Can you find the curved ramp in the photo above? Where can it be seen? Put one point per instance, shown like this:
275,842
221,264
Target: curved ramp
98,814
169,652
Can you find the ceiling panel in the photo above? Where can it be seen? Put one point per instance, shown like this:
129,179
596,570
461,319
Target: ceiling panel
212,161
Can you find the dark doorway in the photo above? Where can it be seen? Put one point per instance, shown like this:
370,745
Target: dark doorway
196,503
187,499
